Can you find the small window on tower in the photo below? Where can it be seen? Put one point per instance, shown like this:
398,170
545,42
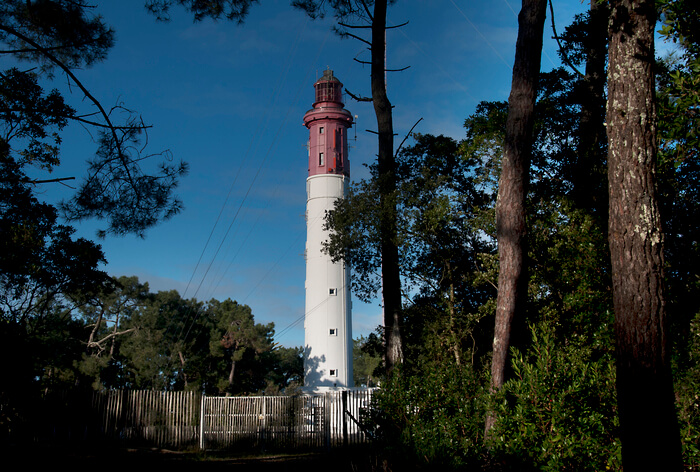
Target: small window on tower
333,332
320,130
321,161
334,372
332,291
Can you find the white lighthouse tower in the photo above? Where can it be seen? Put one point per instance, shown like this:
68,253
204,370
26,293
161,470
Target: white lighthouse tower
328,321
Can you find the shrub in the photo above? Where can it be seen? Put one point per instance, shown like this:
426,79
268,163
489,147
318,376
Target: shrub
688,400
431,418
559,410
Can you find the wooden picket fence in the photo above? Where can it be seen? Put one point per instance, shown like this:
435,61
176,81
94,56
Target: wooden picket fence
187,420
309,421
162,419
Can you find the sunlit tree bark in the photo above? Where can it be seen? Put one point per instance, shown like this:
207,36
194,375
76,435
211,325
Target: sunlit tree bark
513,183
649,429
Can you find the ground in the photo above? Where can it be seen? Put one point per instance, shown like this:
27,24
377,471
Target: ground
38,458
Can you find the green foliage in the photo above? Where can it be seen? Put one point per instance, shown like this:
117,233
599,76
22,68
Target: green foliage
44,270
215,9
687,387
31,116
239,343
39,259
678,171
64,35
570,276
54,33
355,236
559,410
143,340
442,197
40,353
566,376
285,370
678,168
434,419
367,360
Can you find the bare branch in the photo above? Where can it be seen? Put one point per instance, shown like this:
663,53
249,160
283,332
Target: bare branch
345,33
98,344
407,135
49,181
80,85
367,11
397,70
102,125
357,98
345,25
564,56
52,48
396,26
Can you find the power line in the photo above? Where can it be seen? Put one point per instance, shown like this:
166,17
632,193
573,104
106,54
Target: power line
263,161
509,66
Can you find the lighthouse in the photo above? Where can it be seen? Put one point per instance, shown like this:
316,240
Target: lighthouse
328,321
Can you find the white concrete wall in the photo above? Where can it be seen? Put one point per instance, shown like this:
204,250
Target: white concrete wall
328,354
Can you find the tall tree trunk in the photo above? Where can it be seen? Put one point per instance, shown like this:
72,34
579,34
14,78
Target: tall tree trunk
183,365
589,172
512,186
233,367
115,332
232,371
649,428
386,167
454,338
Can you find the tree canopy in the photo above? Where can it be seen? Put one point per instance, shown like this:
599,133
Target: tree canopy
46,39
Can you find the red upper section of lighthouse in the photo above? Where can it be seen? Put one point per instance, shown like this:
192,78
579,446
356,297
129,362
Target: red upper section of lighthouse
328,122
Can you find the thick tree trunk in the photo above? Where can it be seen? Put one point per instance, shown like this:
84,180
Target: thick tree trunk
386,167
513,183
649,428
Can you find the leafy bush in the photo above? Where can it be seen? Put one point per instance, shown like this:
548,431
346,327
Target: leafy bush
688,399
559,411
431,419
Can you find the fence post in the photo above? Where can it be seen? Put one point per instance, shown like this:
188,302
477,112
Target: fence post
202,422
327,402
345,418
264,423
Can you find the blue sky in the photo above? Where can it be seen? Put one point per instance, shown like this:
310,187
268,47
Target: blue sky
230,99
